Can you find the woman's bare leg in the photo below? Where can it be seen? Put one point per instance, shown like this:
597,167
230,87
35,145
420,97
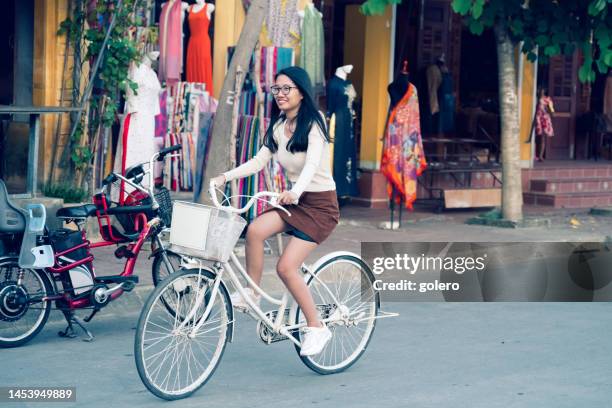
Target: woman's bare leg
288,270
542,146
261,229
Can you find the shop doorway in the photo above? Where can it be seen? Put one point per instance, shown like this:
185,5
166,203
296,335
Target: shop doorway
560,78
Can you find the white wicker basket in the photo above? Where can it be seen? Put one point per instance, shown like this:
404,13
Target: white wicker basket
204,232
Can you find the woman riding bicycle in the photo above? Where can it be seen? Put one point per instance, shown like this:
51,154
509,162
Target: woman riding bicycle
298,139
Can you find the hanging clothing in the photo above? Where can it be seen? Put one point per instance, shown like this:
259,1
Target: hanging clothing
171,42
138,142
340,97
543,125
199,60
282,25
434,80
446,101
403,158
312,51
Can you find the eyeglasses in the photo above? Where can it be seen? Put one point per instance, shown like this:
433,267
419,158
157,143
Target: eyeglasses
285,88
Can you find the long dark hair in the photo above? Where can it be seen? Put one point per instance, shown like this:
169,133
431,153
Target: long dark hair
307,116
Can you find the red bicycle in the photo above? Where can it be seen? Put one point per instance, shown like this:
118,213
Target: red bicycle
39,267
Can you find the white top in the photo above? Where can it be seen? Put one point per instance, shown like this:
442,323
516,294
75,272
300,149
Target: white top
146,99
307,171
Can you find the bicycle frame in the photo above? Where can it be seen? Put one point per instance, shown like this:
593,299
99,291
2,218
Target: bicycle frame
128,268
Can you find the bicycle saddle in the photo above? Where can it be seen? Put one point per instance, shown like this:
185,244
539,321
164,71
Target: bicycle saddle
134,171
12,218
81,211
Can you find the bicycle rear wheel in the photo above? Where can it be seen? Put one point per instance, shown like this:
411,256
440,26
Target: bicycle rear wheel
352,283
170,363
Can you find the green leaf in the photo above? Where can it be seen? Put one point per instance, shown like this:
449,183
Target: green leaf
596,7
602,66
607,57
461,6
542,40
477,9
552,50
583,73
532,56
476,27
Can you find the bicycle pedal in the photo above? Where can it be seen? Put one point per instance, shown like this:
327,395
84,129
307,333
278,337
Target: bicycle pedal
128,286
124,252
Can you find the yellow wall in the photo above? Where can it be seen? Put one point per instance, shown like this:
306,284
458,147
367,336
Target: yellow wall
49,51
354,41
229,18
375,82
527,106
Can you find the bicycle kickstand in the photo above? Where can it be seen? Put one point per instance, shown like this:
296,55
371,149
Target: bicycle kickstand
69,332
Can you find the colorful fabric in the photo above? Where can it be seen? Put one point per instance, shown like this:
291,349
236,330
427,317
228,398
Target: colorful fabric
403,158
171,43
543,125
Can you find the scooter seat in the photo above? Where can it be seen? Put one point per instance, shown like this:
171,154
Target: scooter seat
78,212
12,218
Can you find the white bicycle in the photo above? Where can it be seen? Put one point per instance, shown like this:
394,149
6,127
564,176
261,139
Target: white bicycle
189,318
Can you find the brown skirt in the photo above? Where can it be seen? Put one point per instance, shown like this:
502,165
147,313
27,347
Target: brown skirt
316,214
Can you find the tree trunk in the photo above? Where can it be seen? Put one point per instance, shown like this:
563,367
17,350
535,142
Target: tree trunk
219,154
512,192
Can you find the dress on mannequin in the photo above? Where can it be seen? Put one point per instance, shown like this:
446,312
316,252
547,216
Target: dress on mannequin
137,142
199,60
171,42
340,97
403,158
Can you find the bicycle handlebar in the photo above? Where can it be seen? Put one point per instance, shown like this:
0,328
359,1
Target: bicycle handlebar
165,151
252,200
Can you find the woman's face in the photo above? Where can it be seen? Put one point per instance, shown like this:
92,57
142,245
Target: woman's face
288,97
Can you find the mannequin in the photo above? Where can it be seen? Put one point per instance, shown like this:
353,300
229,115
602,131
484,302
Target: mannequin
343,71
200,4
171,40
340,97
199,58
397,89
137,142
403,158
441,107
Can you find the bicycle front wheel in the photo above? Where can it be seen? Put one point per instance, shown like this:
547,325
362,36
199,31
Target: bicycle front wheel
351,282
171,361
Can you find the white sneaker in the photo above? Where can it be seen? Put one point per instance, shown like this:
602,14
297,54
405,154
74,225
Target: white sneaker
239,302
315,339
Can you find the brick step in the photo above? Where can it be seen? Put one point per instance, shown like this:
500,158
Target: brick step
579,185
568,200
569,172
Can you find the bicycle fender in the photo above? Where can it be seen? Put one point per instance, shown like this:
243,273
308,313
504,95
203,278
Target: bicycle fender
222,286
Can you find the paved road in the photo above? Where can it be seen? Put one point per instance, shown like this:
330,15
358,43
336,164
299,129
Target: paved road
434,355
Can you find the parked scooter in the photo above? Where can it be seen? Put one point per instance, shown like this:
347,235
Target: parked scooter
39,266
